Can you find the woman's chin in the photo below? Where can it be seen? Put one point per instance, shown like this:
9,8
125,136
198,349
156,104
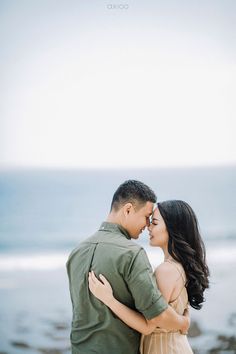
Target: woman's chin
152,243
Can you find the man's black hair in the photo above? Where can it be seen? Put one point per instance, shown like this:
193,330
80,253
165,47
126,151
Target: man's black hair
134,192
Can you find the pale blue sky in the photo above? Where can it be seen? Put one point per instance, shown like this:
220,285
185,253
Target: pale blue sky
88,86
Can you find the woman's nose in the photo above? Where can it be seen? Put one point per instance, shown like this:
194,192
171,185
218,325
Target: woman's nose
150,227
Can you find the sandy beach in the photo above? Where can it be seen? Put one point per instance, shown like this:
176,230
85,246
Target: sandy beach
35,312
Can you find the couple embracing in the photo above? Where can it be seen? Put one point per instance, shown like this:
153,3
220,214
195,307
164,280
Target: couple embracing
119,305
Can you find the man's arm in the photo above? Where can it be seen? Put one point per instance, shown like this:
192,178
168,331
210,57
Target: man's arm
169,319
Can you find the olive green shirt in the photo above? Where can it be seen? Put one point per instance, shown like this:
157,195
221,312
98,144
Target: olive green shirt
95,328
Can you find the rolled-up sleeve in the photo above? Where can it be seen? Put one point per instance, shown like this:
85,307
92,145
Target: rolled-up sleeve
143,287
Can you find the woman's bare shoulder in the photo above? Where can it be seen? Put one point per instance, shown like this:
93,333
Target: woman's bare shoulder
166,269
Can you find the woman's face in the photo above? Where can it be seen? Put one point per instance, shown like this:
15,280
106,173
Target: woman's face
159,236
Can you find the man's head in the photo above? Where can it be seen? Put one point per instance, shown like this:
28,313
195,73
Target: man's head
131,206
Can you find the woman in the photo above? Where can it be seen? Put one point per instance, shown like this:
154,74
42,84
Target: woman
182,277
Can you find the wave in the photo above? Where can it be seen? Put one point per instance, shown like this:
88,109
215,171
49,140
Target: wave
49,261
216,255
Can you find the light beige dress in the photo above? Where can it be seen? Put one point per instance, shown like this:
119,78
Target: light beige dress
162,341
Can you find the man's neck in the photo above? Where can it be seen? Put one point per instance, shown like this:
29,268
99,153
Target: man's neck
114,219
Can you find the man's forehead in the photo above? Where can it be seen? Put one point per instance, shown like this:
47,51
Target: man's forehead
149,207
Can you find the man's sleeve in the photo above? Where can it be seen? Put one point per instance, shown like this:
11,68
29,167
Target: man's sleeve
143,287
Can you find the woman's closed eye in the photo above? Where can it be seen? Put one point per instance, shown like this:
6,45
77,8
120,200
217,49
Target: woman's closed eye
154,221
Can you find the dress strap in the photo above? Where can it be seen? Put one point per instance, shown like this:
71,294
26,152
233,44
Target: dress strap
180,271
182,275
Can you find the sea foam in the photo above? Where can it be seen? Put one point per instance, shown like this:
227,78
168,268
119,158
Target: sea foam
48,261
217,255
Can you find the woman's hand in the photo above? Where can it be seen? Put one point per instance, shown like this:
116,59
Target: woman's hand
102,290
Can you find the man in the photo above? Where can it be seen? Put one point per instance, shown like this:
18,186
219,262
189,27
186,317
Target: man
110,251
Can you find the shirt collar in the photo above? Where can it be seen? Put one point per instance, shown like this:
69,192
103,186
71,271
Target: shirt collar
109,226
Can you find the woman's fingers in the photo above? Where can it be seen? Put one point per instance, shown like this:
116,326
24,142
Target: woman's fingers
95,281
92,283
91,280
94,278
103,279
100,288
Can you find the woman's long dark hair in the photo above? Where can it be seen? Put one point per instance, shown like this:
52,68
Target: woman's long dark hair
186,246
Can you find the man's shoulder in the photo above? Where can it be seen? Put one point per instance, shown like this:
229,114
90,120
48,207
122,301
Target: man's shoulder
85,243
109,241
115,239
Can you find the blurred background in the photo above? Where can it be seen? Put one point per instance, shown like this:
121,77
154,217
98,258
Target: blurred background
94,93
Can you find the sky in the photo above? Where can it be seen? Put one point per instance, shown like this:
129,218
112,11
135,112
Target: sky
117,84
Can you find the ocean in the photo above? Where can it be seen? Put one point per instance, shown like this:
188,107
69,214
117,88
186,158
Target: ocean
44,214
56,209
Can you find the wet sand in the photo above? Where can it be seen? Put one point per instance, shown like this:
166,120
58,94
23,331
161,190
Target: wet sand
55,339
35,313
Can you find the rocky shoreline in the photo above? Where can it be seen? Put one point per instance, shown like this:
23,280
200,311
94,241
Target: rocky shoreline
213,343
56,340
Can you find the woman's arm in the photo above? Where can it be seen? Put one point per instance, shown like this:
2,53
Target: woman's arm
168,319
103,291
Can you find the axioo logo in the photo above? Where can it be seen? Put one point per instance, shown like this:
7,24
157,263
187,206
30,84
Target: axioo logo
117,6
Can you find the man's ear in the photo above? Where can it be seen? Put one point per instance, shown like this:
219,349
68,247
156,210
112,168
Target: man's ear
127,208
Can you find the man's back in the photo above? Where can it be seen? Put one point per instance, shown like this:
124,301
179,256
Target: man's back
95,329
